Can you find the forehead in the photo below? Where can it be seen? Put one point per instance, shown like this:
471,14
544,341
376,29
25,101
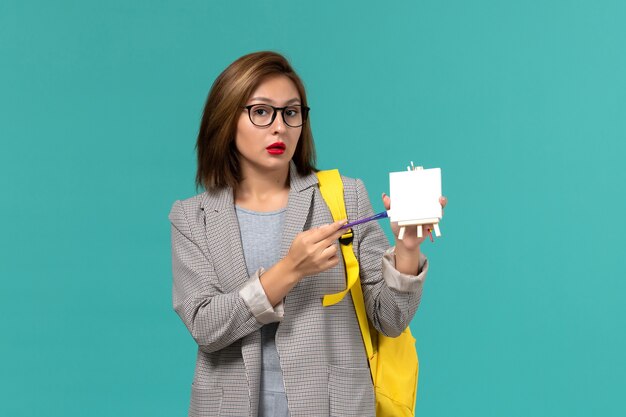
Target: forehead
276,89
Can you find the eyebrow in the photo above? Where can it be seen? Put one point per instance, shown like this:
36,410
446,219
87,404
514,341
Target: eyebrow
269,100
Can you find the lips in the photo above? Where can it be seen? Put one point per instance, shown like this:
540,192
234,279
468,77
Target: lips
276,148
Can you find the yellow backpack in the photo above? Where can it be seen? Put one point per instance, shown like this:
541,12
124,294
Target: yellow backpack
393,361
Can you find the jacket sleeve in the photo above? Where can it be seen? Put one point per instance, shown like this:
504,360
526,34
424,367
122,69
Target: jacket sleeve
391,298
215,319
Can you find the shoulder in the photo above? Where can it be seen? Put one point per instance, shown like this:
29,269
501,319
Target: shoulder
356,198
184,213
352,183
349,183
354,191
354,188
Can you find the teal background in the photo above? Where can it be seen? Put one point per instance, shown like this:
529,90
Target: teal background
522,104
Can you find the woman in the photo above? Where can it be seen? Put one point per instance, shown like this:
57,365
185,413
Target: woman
255,253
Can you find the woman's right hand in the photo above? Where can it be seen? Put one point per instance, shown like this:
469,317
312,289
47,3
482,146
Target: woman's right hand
315,250
311,252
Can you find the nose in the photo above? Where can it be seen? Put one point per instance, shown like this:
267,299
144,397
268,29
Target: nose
278,125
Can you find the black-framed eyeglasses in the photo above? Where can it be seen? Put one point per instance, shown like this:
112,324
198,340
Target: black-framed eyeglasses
263,115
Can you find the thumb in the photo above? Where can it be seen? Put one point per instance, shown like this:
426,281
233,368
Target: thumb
386,201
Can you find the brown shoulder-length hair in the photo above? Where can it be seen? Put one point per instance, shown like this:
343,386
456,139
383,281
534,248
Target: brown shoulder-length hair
218,159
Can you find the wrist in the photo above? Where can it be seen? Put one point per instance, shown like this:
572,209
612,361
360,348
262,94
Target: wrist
404,253
407,261
288,270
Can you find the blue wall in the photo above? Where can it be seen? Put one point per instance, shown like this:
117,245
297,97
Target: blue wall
522,104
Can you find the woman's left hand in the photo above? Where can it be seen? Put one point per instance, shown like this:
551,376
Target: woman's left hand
410,242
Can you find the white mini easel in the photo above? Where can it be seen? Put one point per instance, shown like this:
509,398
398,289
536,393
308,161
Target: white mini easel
415,198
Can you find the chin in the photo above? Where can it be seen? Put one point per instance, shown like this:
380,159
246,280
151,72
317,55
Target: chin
278,165
275,164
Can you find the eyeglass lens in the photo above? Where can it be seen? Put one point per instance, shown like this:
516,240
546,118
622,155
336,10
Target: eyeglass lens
263,115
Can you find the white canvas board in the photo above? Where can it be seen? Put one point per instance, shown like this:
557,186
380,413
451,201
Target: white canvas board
415,194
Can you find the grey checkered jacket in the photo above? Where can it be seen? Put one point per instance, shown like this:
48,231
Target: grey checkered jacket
322,356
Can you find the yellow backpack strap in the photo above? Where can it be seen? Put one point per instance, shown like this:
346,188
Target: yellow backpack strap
331,188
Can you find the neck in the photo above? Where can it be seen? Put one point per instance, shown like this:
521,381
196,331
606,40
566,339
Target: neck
262,190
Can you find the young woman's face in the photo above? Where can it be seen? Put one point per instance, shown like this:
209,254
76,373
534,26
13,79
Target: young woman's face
271,147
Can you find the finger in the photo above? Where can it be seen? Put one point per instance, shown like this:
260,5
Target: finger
443,201
328,230
386,201
329,252
330,263
332,239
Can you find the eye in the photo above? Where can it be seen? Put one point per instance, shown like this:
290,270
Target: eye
292,111
260,110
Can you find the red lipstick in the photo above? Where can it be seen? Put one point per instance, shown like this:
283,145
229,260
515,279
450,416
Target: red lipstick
276,148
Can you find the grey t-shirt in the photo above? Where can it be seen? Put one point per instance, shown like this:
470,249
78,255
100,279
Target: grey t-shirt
261,234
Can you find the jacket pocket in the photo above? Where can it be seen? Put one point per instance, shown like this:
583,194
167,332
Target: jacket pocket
205,401
350,392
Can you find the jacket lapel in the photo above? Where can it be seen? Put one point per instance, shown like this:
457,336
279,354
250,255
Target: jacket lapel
301,193
224,239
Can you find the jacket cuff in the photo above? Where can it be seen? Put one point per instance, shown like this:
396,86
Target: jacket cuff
399,281
255,298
